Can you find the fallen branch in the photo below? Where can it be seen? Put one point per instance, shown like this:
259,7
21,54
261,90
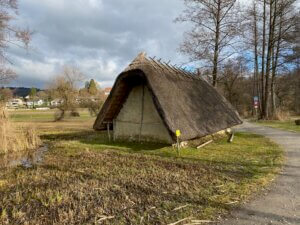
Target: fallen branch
197,222
179,221
206,143
181,207
230,203
105,218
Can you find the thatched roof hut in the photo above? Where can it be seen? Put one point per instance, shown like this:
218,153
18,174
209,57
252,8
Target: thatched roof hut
150,100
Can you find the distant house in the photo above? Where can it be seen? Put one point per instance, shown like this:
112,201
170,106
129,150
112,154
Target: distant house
15,103
39,102
107,91
56,102
152,101
30,104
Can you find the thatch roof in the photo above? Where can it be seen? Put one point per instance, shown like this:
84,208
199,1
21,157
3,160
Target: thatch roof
184,100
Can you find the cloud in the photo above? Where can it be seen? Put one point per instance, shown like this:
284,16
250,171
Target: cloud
99,36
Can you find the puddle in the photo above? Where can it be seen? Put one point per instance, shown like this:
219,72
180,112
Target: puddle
27,160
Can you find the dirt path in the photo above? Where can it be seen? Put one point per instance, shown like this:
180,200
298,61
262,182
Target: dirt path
281,204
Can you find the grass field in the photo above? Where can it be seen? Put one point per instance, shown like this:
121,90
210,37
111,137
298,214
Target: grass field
85,179
285,125
42,116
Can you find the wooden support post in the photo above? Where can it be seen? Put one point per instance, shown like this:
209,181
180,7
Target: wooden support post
178,134
142,113
178,146
230,140
114,130
108,131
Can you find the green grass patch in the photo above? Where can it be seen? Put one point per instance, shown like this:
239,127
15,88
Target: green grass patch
87,180
288,125
42,116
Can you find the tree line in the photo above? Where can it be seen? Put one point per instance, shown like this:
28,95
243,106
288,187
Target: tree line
246,51
66,87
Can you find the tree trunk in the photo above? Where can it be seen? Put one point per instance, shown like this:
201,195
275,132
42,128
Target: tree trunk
275,64
272,19
263,62
297,92
216,50
256,67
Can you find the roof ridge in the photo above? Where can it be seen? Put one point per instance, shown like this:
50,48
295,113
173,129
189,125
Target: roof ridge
142,58
174,68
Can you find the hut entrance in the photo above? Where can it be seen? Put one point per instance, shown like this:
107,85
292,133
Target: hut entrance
139,120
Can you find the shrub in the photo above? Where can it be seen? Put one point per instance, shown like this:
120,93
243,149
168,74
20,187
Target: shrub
281,115
74,114
93,106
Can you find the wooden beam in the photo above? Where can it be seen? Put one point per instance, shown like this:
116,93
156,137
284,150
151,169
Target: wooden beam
142,113
206,143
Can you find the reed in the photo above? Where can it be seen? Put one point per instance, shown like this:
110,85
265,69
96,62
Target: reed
16,139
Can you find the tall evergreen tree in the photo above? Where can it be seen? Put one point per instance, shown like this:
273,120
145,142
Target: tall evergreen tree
92,89
33,92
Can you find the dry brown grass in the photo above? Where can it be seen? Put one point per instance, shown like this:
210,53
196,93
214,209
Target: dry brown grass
281,115
85,179
16,139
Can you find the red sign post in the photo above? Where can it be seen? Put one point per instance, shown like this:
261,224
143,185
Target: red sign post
256,102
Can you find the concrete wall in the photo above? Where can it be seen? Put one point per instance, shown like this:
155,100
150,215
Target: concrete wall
128,122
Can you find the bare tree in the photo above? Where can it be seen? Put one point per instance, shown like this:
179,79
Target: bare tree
10,35
233,71
270,22
65,88
288,91
5,95
293,39
6,74
284,22
213,36
252,42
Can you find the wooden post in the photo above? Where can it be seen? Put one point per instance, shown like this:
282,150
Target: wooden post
178,134
230,140
178,146
114,130
108,131
142,113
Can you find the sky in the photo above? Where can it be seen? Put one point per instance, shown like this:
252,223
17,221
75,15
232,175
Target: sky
100,37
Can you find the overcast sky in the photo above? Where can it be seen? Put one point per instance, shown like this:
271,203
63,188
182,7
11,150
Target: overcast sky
99,36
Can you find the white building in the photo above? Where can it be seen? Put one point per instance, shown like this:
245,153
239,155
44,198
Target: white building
56,102
39,102
107,91
15,103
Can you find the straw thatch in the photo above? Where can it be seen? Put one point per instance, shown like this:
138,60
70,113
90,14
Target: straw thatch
184,100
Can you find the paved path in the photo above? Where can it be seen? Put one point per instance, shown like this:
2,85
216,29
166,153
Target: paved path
281,205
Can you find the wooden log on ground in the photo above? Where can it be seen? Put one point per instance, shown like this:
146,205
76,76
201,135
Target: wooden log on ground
206,143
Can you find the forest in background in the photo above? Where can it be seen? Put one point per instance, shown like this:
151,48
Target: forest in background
249,52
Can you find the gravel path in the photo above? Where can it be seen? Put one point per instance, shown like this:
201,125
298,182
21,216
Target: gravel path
281,204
